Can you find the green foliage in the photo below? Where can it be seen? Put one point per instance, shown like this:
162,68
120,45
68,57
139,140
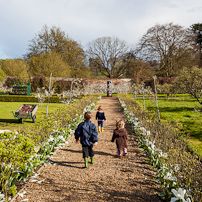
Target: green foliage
44,64
15,151
53,51
2,75
22,152
168,149
15,67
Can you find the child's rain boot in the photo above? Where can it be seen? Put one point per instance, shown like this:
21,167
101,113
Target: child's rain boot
125,151
86,162
118,153
101,129
92,160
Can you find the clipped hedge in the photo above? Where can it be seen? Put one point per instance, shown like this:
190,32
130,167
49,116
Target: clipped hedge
25,98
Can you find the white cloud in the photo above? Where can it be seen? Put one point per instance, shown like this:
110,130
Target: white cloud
86,20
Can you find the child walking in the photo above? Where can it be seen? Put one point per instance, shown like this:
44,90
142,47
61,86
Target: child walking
87,132
121,136
100,116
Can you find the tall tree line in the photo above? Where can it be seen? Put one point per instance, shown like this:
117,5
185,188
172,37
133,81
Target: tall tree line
164,50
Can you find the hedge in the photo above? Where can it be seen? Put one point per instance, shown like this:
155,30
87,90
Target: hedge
25,98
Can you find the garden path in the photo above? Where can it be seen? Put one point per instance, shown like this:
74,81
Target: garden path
129,178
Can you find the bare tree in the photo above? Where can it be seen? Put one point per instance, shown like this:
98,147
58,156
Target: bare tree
170,45
106,54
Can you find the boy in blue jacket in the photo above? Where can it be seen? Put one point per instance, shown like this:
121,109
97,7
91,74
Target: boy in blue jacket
87,132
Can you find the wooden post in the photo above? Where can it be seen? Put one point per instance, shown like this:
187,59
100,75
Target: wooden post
71,90
156,99
143,95
135,93
48,95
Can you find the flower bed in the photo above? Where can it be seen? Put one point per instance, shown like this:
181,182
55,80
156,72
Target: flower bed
21,152
179,171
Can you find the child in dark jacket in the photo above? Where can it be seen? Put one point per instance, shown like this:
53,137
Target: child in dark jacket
87,132
100,116
121,136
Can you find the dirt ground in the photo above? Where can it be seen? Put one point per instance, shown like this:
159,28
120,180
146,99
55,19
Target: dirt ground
110,178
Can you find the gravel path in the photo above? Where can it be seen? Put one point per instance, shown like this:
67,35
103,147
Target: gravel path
110,178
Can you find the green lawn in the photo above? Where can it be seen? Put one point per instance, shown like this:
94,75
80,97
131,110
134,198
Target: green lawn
182,109
7,120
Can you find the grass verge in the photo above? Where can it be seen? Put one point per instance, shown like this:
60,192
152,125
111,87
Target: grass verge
180,109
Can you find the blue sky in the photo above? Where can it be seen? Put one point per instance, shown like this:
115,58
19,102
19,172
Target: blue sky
86,20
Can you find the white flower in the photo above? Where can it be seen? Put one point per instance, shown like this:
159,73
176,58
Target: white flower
2,197
9,165
136,124
61,138
143,130
51,138
22,194
40,181
164,155
169,176
71,132
34,180
31,165
14,137
148,133
34,176
36,149
177,168
3,131
179,194
151,147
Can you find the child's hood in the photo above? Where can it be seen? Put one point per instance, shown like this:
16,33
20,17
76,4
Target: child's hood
120,132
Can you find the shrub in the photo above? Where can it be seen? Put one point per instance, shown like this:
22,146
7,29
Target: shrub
38,82
61,85
24,98
10,80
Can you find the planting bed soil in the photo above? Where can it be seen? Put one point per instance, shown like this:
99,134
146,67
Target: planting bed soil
110,178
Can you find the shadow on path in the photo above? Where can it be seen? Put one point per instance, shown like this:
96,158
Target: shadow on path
95,152
67,163
10,120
